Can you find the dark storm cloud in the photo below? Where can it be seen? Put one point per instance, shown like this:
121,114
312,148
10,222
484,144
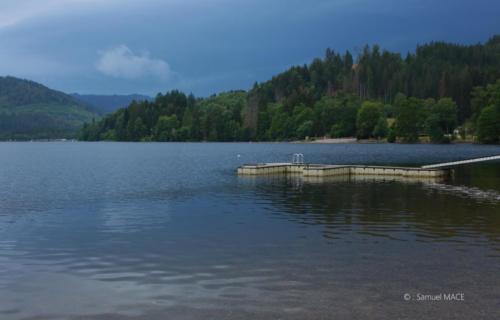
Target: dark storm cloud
213,45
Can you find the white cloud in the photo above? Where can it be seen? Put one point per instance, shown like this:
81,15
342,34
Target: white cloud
121,62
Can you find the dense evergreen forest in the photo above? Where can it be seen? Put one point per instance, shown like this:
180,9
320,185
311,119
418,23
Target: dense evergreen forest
440,92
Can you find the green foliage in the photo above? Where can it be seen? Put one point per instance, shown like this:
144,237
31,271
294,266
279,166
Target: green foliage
488,126
446,111
381,129
368,118
391,135
336,116
442,119
486,101
409,119
282,125
434,130
485,96
305,129
301,114
165,128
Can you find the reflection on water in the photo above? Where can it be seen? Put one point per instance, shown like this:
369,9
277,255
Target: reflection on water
467,192
86,233
300,179
423,210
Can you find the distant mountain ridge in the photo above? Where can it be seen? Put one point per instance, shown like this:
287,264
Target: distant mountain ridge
29,110
109,103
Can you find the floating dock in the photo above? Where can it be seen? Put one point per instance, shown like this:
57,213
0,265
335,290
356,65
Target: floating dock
297,166
321,170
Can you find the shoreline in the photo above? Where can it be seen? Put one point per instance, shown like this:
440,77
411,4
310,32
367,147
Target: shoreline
375,141
328,140
348,140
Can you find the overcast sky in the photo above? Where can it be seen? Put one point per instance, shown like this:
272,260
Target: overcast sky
208,46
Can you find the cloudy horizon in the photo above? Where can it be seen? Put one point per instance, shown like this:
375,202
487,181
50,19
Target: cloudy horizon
204,47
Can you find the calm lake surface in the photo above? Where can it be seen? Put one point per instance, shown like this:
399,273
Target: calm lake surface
169,231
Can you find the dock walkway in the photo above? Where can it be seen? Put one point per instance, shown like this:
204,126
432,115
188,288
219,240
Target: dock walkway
456,163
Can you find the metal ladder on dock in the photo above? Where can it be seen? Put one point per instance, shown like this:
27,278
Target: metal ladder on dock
298,158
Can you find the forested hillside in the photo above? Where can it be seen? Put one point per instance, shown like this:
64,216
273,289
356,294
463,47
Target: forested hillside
432,93
29,110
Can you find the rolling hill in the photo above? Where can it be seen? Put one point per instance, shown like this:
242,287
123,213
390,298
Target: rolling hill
29,110
105,104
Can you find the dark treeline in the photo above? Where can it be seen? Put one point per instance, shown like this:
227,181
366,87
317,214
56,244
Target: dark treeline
440,90
175,117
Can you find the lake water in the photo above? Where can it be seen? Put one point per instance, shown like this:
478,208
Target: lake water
169,231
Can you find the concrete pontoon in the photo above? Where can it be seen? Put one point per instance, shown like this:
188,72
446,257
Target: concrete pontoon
324,170
298,166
